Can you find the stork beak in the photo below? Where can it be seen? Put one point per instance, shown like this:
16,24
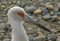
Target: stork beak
29,18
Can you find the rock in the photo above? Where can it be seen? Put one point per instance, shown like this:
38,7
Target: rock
58,6
48,27
47,3
52,13
30,37
42,4
58,22
1,36
5,10
58,39
46,17
29,29
52,37
10,6
2,31
5,18
23,5
40,38
3,6
14,2
36,12
2,25
53,30
18,2
55,17
10,35
1,21
10,2
57,13
30,9
55,9
0,3
51,7
44,10
29,14
58,33
6,39
29,3
5,2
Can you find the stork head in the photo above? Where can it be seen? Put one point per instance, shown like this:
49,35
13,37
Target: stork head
18,11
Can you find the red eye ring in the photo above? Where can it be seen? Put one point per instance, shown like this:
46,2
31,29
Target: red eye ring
21,14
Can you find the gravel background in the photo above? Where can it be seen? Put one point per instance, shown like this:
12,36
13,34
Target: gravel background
34,32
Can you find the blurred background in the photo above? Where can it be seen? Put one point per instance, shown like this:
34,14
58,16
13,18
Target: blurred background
47,12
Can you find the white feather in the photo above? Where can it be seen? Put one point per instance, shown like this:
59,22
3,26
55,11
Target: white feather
18,32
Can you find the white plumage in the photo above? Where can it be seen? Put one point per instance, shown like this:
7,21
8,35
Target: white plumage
18,32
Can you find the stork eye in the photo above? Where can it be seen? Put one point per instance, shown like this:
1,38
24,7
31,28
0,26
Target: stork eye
21,14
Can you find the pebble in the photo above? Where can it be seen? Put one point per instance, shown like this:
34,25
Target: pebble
38,11
58,6
5,18
9,2
46,17
0,3
2,25
29,28
30,9
42,4
55,9
14,2
51,37
6,39
50,7
5,2
52,13
58,39
23,5
47,3
30,37
55,16
1,21
5,11
58,22
1,36
57,13
3,6
2,31
48,27
40,38
44,10
18,2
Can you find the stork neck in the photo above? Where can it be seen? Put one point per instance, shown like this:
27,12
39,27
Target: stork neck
18,32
